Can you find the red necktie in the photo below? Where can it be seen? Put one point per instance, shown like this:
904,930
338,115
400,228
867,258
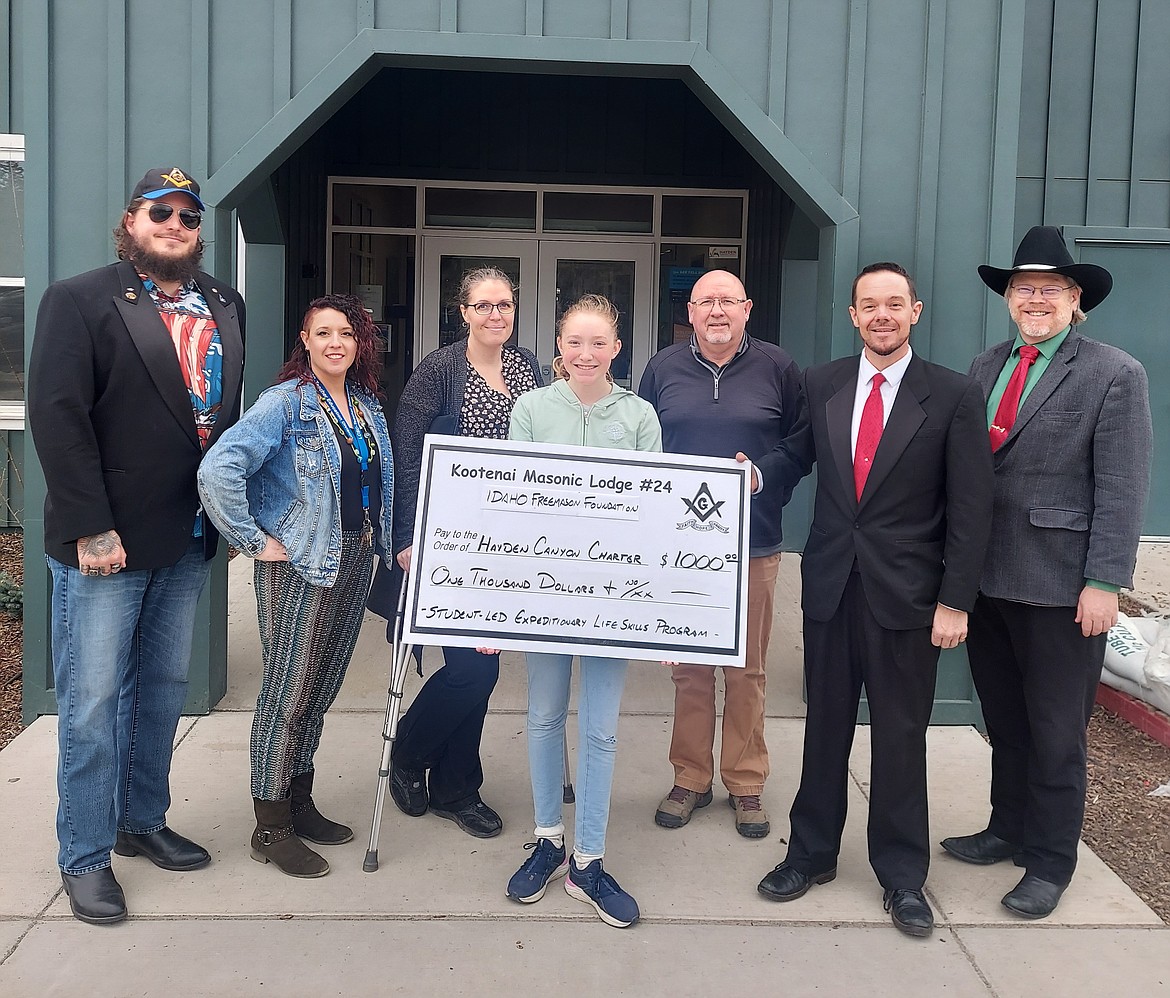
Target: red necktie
1009,405
868,434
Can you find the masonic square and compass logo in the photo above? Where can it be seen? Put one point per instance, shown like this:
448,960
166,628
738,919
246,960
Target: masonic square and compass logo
702,508
176,178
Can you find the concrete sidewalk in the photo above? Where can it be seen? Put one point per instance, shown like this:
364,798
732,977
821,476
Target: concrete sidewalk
434,918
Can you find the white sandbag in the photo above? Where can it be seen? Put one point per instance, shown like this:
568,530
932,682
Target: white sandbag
1147,627
1157,666
1135,667
1121,683
1125,651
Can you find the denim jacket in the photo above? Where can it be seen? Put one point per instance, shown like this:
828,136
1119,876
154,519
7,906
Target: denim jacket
277,472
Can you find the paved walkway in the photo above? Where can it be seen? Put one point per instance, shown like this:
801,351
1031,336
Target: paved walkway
434,918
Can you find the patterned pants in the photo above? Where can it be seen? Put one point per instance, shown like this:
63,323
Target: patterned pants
308,634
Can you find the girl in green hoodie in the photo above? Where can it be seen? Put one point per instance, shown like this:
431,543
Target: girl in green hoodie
582,406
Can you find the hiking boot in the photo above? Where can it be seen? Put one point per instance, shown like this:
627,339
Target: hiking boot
596,887
546,863
751,820
678,805
308,822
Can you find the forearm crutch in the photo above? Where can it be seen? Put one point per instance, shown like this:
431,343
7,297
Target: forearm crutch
399,663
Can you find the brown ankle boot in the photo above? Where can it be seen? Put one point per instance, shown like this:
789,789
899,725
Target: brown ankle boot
308,822
274,841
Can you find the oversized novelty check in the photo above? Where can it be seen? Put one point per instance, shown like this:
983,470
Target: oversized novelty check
580,550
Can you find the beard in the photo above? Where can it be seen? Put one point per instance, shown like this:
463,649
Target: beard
166,268
887,349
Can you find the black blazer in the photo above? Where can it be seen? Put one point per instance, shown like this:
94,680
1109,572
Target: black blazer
111,416
919,533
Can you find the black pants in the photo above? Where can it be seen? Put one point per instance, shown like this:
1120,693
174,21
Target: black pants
1037,677
442,729
898,669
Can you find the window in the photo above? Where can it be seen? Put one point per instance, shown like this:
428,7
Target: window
11,282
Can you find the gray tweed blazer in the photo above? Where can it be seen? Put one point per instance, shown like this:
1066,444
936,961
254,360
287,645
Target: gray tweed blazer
1071,479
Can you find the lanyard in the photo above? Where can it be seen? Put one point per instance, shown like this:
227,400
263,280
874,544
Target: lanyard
356,438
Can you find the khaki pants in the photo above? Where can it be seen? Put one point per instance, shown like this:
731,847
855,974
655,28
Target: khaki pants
743,761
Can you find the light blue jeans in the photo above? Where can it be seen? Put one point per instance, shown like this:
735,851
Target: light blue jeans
121,649
601,684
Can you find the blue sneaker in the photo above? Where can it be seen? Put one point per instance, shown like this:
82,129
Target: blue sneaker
546,863
596,887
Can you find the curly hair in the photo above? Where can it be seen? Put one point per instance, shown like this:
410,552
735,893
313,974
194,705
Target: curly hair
366,364
597,305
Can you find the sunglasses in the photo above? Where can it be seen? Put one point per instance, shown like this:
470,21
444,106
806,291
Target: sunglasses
158,213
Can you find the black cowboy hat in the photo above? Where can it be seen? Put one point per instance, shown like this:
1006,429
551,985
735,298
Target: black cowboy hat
1043,249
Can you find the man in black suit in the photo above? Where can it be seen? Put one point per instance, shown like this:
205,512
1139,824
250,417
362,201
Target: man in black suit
136,369
890,570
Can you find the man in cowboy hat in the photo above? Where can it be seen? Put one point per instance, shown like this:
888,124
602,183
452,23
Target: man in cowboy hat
1070,428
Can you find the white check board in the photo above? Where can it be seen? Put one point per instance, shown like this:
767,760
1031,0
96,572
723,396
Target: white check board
581,550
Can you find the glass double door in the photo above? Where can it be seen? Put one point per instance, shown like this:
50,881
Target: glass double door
550,274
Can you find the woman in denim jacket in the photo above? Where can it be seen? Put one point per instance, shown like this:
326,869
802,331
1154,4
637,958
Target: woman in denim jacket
301,484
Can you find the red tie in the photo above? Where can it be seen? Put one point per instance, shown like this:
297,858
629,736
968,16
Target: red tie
1009,405
868,434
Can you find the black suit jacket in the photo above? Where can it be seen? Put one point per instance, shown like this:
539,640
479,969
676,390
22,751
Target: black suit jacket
111,416
919,533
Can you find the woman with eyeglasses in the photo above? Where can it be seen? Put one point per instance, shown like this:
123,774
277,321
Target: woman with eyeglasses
466,389
303,484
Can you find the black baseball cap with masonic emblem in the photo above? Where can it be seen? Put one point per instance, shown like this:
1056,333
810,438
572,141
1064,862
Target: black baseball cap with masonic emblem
160,182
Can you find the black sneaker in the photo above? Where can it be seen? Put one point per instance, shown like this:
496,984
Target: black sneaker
408,787
475,819
546,863
596,887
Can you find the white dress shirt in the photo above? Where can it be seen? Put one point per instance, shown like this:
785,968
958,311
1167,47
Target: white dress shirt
889,390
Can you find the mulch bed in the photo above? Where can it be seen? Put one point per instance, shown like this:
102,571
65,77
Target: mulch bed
1127,828
1124,825
11,642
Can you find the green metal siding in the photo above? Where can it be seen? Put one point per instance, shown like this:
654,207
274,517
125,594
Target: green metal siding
1094,117
917,130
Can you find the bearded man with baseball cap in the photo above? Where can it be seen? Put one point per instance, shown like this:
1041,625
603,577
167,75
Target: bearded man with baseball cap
136,369
1069,425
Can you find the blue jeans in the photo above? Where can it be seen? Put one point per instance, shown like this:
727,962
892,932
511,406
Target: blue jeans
602,681
121,648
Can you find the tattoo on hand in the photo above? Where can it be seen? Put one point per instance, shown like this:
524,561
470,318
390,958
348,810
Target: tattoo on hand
100,545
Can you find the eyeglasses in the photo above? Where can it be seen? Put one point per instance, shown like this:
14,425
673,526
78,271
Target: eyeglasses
1050,291
727,304
158,213
485,307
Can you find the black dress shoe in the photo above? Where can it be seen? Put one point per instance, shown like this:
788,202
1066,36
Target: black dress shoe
786,883
408,787
166,849
475,819
982,848
909,911
1033,897
95,897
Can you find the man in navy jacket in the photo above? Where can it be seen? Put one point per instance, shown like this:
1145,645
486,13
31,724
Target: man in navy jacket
725,394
